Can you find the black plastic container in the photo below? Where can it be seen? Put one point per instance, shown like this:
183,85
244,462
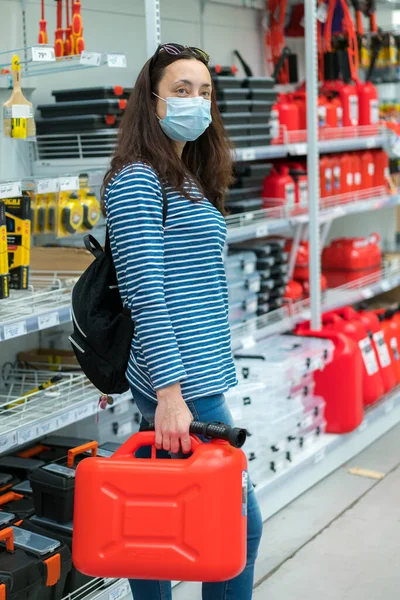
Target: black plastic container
242,206
19,505
237,194
7,480
93,93
248,130
53,492
19,467
255,83
86,107
21,575
232,94
76,124
227,82
246,118
63,533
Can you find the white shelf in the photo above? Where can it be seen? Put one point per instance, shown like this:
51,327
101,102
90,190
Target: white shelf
41,60
25,418
269,221
101,589
46,303
286,318
49,185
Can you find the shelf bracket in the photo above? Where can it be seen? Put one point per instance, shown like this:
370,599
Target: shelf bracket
153,26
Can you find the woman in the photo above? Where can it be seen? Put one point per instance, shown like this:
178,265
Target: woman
172,143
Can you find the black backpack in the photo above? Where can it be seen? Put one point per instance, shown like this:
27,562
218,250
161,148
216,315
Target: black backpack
103,328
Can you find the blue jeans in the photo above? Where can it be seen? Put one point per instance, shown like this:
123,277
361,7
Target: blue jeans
211,408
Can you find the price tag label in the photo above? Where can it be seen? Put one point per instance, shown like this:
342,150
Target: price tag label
48,186
47,321
322,13
367,293
299,149
42,54
90,58
125,429
27,434
119,592
389,406
319,456
84,411
262,231
14,330
385,285
9,189
69,184
66,418
48,425
116,60
248,341
18,111
371,142
8,441
248,154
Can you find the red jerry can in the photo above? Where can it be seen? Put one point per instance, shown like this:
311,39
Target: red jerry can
279,189
294,291
368,102
391,332
288,110
326,176
382,171
373,388
181,519
367,170
356,162
340,383
373,325
348,97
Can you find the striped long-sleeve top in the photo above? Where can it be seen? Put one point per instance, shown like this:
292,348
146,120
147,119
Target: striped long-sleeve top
173,281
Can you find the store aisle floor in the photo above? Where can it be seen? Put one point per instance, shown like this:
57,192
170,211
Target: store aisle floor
339,541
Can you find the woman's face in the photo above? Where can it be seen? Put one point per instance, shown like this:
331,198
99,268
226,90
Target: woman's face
183,79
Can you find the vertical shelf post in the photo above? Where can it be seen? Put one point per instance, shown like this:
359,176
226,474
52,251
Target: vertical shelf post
153,26
313,160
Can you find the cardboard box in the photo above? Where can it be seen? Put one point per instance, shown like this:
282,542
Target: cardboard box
50,359
60,259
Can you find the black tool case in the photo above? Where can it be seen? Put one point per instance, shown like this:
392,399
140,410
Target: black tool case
7,480
19,467
63,533
234,194
93,93
246,118
54,560
227,82
84,107
21,575
241,206
255,83
21,506
76,124
53,488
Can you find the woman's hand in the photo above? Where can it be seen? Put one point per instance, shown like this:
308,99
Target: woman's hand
172,420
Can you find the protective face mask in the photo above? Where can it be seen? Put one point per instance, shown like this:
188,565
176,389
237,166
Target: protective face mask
186,118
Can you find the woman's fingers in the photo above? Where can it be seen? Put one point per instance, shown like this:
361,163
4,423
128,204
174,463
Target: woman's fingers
186,443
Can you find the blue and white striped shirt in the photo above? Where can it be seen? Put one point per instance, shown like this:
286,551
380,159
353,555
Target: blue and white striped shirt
173,280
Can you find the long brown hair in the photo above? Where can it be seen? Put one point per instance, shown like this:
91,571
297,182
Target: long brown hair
207,160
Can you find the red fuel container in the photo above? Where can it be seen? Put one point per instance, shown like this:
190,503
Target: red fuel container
356,162
337,175
348,96
279,188
368,102
288,111
294,291
381,168
326,176
344,409
367,170
346,173
299,173
373,325
373,388
391,332
181,519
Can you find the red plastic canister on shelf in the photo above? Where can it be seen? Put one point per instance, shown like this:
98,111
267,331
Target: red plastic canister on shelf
352,254
346,173
368,103
367,170
279,188
299,173
373,325
344,409
288,112
294,291
337,175
373,388
348,96
356,162
326,176
306,285
391,332
381,168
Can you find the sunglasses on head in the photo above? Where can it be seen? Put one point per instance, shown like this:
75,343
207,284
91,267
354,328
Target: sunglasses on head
176,49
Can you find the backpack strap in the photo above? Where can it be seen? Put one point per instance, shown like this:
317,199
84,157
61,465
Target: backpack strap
107,246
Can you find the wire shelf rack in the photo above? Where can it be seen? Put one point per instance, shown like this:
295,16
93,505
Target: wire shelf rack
102,589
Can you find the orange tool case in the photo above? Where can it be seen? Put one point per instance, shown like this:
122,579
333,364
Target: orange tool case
181,519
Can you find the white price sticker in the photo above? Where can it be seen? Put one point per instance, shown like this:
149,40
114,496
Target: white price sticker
48,426
8,441
43,54
66,418
248,154
18,111
69,184
27,434
371,142
262,231
47,321
116,60
90,58
367,293
322,13
125,429
119,592
84,411
385,285
48,186
14,330
298,149
9,189
319,456
248,341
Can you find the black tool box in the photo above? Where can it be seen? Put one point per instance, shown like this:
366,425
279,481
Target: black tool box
76,124
256,83
53,485
7,480
87,107
52,556
234,106
93,93
19,467
63,533
227,82
252,174
246,118
237,194
241,206
21,575
248,132
24,488
18,504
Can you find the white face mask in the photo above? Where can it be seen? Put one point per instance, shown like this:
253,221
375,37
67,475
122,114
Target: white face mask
186,118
